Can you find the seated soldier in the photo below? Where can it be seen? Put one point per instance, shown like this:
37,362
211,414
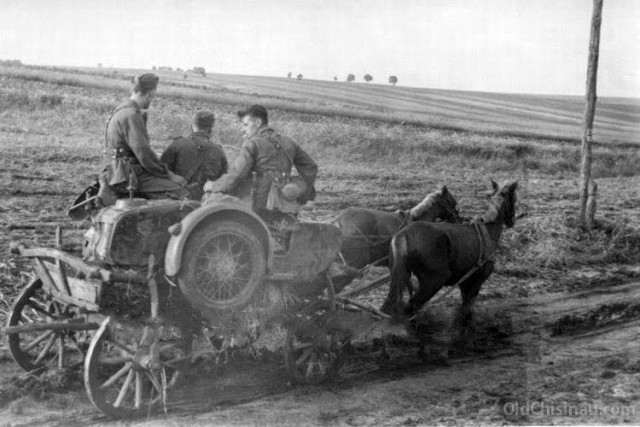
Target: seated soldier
196,158
134,168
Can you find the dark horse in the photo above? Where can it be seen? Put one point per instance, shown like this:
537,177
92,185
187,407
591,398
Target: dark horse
441,254
368,232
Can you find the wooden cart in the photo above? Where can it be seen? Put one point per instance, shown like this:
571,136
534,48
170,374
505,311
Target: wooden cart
152,275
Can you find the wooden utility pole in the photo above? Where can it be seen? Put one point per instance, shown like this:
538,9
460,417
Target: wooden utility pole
590,110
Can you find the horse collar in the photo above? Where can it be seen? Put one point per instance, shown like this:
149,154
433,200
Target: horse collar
487,246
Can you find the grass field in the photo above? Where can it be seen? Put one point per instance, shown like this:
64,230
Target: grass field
553,117
377,146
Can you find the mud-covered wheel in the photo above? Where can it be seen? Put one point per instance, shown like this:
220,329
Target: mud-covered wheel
224,262
39,351
312,351
123,379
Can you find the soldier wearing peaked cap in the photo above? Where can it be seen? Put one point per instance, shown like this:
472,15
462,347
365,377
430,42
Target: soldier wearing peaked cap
196,157
133,165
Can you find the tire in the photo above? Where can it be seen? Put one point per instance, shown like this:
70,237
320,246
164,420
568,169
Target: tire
224,262
39,351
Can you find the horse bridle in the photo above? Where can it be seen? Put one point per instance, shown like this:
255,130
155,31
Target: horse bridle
451,209
507,208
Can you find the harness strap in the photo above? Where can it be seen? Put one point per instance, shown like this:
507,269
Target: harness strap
486,253
376,239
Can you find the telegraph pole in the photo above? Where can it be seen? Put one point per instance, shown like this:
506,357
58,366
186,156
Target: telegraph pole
586,219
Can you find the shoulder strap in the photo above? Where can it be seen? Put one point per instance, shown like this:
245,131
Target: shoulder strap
113,113
200,161
275,139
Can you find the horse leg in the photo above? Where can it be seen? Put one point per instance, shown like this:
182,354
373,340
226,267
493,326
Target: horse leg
428,285
400,274
427,288
469,291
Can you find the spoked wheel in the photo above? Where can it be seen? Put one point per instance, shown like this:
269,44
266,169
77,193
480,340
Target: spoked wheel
38,351
224,263
312,353
125,379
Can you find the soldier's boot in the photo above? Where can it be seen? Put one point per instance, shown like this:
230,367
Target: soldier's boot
106,195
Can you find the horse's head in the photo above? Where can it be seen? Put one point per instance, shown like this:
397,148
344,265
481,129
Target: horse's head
503,205
439,204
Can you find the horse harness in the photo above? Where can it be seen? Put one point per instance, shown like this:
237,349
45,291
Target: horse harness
376,239
487,253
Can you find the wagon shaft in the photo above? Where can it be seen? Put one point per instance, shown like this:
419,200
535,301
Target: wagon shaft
53,326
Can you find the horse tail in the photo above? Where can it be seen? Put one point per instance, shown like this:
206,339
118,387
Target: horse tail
400,273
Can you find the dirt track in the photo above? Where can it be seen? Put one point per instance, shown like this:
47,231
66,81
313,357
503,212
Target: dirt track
574,350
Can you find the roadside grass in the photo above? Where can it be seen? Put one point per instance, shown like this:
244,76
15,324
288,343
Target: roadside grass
556,242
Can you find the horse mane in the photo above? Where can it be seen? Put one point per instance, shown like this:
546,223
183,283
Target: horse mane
505,192
418,210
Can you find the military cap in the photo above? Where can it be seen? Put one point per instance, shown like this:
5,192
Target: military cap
146,82
255,111
204,119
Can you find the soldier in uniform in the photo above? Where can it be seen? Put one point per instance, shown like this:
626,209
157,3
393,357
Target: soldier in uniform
196,158
271,157
134,166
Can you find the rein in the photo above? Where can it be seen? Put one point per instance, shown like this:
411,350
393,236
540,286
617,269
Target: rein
376,239
484,256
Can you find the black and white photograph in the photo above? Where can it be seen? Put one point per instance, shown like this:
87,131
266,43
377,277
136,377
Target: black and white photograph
319,212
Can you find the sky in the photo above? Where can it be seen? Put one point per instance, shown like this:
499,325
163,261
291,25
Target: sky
521,46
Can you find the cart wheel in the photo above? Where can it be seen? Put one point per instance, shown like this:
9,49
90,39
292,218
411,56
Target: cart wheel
40,350
224,262
119,379
312,354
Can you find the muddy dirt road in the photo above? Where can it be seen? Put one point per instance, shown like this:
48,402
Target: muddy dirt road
556,358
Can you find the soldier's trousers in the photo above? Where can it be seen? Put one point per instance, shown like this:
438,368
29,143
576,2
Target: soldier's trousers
154,187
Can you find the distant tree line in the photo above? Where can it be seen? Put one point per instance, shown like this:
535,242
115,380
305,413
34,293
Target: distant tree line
11,62
196,70
393,80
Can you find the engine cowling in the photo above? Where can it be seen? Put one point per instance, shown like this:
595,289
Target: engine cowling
128,232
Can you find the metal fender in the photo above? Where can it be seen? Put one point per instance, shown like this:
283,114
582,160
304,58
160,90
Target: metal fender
181,232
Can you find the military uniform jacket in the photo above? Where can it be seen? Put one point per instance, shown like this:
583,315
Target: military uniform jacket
268,154
196,158
126,133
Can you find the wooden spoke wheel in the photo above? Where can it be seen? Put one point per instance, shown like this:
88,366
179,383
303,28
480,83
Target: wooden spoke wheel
40,350
224,262
312,353
125,379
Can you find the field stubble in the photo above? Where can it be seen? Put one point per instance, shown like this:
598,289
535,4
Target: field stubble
51,137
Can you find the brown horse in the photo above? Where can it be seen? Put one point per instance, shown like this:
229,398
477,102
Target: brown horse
441,254
368,232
